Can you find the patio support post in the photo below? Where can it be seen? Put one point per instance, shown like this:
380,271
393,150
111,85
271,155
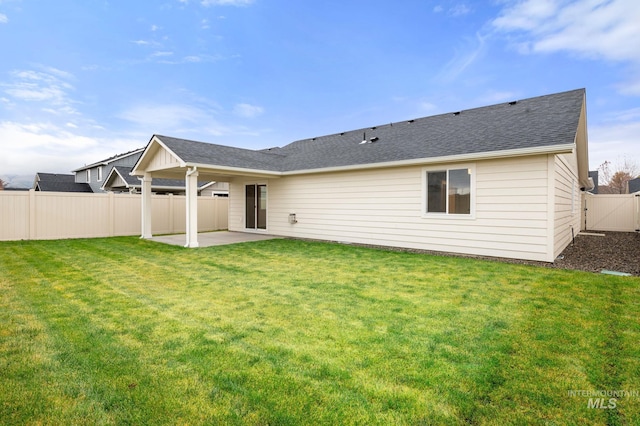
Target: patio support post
191,182
146,206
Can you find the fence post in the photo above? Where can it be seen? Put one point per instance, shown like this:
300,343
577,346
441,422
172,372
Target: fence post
171,220
32,214
112,214
216,210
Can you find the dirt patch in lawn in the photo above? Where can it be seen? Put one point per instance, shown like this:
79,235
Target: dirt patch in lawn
614,251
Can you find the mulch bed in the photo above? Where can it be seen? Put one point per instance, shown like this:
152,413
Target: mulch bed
615,251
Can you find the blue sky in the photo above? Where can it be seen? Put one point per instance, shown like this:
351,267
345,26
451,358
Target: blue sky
83,80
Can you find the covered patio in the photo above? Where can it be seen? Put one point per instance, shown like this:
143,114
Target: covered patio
170,158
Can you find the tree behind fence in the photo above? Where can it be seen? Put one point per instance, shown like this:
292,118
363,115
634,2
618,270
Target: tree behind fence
55,215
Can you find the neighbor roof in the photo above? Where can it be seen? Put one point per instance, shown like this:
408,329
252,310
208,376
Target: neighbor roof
111,159
544,121
59,183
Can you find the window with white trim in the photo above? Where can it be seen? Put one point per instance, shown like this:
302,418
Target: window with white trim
88,175
99,173
448,191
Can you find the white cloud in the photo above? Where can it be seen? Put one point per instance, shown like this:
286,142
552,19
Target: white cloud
208,3
169,117
155,28
46,147
158,54
247,110
616,137
459,10
191,59
47,88
463,58
603,29
36,145
3,18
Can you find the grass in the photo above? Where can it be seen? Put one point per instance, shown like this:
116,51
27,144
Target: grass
126,331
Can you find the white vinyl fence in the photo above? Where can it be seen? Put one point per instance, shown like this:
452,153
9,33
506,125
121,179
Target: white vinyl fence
612,212
55,215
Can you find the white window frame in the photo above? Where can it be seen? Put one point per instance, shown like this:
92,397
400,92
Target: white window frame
445,215
88,175
99,173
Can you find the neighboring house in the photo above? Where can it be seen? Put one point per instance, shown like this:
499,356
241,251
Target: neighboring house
53,182
120,180
94,174
503,180
112,174
633,186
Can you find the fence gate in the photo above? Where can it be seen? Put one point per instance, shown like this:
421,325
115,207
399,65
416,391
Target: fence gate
612,212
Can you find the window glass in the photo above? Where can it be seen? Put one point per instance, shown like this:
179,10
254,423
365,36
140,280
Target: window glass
460,191
436,192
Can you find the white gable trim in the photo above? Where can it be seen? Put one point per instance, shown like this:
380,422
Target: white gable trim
145,157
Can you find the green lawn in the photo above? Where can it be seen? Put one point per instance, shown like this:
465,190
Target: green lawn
126,331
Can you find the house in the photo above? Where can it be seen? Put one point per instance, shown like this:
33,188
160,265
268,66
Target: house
120,180
59,183
502,180
95,173
633,186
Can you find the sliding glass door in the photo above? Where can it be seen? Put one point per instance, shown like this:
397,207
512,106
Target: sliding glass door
256,206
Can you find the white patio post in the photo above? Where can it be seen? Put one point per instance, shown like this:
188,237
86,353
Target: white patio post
191,181
146,206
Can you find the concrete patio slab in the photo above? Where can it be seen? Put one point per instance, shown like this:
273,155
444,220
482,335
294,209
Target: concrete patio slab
219,238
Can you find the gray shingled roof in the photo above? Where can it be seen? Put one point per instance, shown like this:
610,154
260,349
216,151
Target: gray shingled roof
530,123
60,183
106,161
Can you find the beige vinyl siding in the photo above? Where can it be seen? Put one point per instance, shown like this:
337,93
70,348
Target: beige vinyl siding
118,182
567,201
384,206
162,159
